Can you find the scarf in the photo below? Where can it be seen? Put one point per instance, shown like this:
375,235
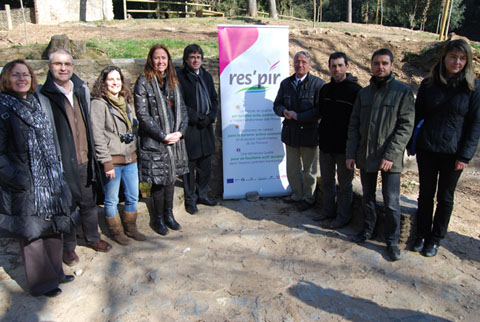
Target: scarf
121,106
49,186
169,108
203,99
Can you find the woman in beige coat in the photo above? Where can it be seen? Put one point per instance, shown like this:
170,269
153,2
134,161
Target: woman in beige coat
113,125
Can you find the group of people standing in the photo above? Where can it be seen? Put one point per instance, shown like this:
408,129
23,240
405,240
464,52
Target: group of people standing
60,142
370,128
57,146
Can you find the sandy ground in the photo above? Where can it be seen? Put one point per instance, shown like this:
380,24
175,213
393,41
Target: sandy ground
260,261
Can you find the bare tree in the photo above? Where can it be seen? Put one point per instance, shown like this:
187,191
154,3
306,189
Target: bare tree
349,11
252,8
272,8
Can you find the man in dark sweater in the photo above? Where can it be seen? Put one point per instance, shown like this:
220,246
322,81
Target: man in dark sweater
335,102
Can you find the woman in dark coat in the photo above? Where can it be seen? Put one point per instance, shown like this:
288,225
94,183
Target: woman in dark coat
448,102
163,121
34,194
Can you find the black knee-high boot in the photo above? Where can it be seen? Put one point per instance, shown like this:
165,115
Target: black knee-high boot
158,204
168,210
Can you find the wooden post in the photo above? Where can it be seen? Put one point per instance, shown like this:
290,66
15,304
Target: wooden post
24,21
314,12
124,9
9,17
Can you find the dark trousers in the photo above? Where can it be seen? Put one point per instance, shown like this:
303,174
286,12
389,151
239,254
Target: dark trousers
195,183
329,162
42,260
436,173
391,200
88,213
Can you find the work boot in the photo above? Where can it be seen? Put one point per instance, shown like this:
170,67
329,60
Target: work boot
130,225
168,209
157,222
116,230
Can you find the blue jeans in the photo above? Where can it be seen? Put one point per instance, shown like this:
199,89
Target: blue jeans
127,175
391,200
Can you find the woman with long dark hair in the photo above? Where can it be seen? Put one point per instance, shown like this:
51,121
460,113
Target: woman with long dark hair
448,105
163,122
113,124
34,197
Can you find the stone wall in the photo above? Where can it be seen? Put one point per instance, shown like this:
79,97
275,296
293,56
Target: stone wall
17,17
54,11
88,70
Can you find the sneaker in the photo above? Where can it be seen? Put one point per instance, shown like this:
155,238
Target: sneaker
361,237
394,253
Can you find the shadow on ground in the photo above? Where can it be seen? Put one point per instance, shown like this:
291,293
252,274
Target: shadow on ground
353,308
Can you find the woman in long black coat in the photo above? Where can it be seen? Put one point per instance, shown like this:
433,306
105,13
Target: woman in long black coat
448,102
34,197
163,122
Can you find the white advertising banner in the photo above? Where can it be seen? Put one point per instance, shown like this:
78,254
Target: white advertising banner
253,60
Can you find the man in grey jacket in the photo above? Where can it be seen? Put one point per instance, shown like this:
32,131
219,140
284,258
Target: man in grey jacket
380,127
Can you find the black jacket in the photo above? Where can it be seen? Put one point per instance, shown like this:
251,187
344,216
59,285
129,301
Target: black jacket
199,139
157,162
18,213
65,136
304,131
335,104
452,119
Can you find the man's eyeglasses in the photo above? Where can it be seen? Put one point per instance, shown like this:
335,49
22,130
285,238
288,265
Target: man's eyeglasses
59,64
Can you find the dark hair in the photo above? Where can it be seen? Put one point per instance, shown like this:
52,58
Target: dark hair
7,70
383,51
100,88
337,55
192,48
467,74
150,71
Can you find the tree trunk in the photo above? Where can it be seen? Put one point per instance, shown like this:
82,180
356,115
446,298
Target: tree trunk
349,11
252,8
272,6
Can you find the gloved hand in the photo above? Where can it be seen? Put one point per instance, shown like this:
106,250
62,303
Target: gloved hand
203,120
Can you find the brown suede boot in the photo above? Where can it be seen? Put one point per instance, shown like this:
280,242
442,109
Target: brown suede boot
116,230
130,224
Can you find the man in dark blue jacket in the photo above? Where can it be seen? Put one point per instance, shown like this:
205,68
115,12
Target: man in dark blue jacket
67,98
295,102
335,103
201,101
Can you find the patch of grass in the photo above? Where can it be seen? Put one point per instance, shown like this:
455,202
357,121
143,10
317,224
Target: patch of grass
139,48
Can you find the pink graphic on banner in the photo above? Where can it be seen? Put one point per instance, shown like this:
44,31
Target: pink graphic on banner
232,42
